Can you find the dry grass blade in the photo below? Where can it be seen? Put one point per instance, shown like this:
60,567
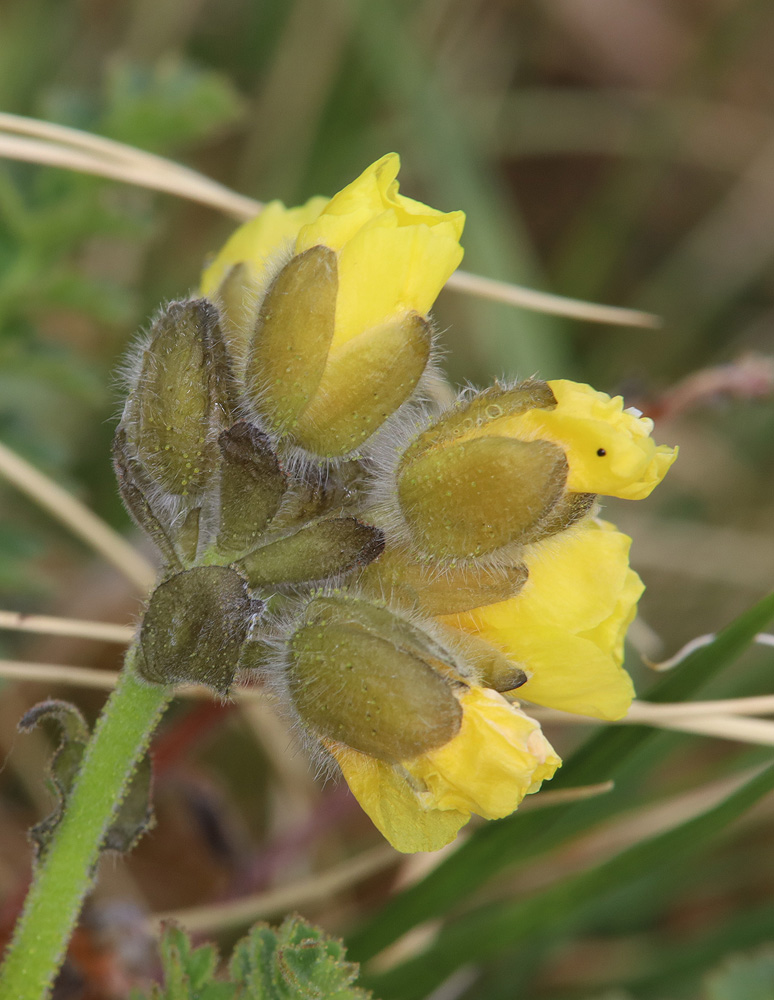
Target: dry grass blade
36,141
318,888
46,625
55,673
77,517
762,639
555,305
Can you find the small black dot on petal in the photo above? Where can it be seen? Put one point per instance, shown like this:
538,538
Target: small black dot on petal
601,452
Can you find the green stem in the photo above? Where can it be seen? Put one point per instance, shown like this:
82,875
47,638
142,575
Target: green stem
64,877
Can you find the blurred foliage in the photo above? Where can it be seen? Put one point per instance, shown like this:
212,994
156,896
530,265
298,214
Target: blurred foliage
618,150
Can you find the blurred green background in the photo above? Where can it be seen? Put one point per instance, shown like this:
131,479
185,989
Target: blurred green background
620,151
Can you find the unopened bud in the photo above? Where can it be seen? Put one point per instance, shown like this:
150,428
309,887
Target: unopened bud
443,589
194,628
182,398
318,551
252,485
292,337
366,680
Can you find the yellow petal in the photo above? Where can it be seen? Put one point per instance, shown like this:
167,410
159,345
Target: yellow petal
386,269
497,757
260,240
396,807
566,627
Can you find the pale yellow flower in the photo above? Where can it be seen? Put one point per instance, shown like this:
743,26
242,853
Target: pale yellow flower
498,756
609,449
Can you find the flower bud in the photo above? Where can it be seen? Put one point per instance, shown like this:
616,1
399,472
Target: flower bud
252,485
440,589
318,551
182,398
364,677
194,628
471,497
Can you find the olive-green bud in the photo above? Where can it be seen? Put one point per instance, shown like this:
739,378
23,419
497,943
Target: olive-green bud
440,589
318,551
182,399
292,337
472,497
363,679
365,381
194,628
252,485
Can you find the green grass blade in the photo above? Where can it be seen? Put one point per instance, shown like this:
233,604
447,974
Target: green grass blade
497,928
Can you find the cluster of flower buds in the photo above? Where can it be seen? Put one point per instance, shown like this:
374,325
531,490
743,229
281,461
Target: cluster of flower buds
396,571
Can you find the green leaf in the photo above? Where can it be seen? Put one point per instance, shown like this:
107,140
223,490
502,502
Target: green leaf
134,816
744,977
502,926
189,973
294,962
614,753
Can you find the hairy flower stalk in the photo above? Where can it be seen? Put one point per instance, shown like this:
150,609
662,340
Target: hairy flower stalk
397,573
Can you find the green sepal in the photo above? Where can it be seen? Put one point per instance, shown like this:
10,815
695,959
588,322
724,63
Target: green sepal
363,676
364,382
446,589
184,396
483,407
292,337
135,489
568,511
237,301
472,497
318,551
252,485
493,668
194,628
134,816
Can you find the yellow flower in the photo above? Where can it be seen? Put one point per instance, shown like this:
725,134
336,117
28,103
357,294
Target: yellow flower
341,338
566,627
609,449
394,254
498,756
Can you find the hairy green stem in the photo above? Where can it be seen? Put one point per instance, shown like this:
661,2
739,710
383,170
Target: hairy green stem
63,878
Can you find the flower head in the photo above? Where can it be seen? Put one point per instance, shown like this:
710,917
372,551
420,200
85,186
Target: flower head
341,336
609,449
421,743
